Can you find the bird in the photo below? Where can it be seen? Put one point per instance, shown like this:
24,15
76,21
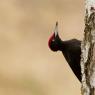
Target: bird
71,50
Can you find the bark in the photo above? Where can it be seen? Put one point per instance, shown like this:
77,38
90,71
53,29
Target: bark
88,51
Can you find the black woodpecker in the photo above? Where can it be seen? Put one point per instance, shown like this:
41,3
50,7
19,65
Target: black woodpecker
71,50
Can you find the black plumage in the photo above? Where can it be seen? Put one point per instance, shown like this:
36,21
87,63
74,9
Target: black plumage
71,50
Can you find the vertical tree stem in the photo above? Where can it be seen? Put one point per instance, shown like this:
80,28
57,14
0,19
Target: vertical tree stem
88,50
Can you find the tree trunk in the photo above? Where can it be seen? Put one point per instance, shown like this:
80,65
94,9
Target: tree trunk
88,50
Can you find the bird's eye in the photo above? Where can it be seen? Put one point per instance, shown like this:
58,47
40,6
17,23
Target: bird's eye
53,40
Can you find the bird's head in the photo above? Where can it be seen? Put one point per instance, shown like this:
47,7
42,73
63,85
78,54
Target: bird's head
54,40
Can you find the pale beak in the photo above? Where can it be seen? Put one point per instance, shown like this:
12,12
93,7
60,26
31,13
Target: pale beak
56,29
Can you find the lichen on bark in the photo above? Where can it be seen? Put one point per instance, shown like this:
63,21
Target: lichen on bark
88,55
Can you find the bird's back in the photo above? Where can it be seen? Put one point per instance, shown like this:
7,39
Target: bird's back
72,51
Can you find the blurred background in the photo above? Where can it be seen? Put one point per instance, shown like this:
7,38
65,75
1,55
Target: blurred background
27,65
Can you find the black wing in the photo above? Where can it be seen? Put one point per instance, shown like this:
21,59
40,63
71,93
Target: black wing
72,52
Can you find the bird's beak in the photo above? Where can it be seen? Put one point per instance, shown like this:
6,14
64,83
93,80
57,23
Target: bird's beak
56,29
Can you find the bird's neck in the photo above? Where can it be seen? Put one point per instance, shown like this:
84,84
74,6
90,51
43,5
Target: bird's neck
62,45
